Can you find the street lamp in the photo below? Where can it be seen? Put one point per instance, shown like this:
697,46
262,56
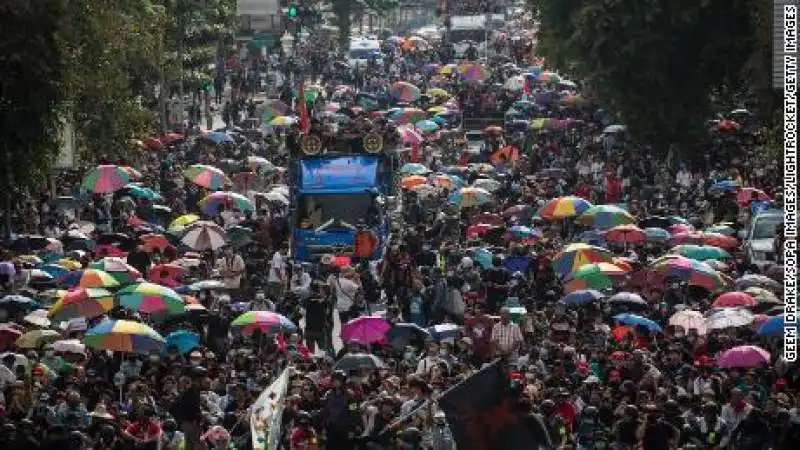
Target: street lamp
287,43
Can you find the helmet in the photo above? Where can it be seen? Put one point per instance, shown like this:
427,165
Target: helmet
339,375
590,412
548,406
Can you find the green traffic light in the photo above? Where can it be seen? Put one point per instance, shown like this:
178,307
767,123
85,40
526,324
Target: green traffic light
292,11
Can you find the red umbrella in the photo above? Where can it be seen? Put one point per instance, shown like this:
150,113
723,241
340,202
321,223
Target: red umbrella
686,237
746,195
734,299
629,234
165,272
720,240
478,230
8,335
153,144
169,138
680,228
154,241
488,218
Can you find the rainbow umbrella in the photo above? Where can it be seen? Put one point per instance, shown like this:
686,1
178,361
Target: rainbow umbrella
413,180
414,169
472,71
151,298
212,203
593,276
89,278
80,302
692,271
208,177
655,234
469,196
124,336
117,268
408,115
564,207
283,121
604,217
404,92
575,256
182,222
427,126
273,109
264,321
726,230
105,179
628,234
700,252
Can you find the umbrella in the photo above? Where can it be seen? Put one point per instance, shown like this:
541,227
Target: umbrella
207,285
614,129
283,121
700,252
678,228
692,271
469,196
352,362
479,229
264,321
55,271
140,192
414,169
635,320
774,326
472,71
438,92
365,330
89,278
402,334
212,203
165,272
38,318
564,207
627,299
605,216
261,164
743,356
655,234
208,177
729,318
726,230
8,334
574,256
593,276
628,234
445,331
762,281
748,194
520,231
427,126
37,338
689,320
182,222
408,115
217,137
73,346
117,268
719,240
150,298
204,235
183,340
582,296
734,299
410,135
487,184
82,302
124,336
721,187
405,92
106,178
413,180
518,211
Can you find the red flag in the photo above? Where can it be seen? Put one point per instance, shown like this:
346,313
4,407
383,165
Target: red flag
526,89
305,122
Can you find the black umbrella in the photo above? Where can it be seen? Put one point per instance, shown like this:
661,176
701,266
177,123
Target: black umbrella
405,334
655,222
29,243
355,361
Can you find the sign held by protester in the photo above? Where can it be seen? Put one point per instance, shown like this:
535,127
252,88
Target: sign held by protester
266,413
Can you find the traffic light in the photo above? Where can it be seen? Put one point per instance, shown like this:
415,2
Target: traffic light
292,12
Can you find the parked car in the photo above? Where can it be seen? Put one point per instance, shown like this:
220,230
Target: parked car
759,238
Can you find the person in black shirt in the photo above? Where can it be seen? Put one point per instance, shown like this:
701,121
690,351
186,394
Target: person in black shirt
657,433
188,410
318,314
496,279
140,260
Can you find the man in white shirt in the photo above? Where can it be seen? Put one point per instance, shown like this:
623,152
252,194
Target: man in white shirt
231,267
300,284
345,290
276,281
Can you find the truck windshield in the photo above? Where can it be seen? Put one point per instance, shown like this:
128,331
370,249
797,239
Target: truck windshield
467,34
347,210
765,227
362,53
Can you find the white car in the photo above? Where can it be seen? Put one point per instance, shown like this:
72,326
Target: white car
361,52
759,237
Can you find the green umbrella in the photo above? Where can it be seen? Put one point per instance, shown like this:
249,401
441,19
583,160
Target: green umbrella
700,252
240,235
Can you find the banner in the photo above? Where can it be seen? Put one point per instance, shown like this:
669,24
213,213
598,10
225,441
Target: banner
483,414
266,412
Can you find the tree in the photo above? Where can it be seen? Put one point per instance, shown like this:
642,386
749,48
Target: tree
655,62
344,10
31,74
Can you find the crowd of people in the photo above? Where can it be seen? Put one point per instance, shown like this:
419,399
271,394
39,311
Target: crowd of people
610,282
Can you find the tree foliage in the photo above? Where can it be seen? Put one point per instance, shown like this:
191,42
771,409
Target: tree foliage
32,68
655,62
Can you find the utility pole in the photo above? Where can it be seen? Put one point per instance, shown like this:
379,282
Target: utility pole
182,4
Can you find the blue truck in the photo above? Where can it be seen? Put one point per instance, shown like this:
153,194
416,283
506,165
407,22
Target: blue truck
335,196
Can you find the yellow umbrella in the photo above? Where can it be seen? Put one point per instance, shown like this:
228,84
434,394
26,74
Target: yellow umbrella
448,69
437,109
183,221
37,338
69,263
438,92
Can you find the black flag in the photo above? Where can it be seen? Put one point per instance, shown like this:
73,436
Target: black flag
483,414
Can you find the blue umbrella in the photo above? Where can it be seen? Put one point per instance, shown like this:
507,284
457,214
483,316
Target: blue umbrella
445,331
54,270
593,237
583,296
773,326
656,234
634,320
673,220
142,192
721,187
521,231
414,169
219,137
19,301
439,120
483,257
183,340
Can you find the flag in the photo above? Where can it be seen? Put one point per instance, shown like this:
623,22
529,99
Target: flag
483,414
267,413
526,88
302,108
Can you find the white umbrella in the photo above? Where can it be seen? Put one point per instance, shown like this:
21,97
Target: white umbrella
487,184
729,318
568,83
689,319
74,346
613,129
275,196
204,235
38,318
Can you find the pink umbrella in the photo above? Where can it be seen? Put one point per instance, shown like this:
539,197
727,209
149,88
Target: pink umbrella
734,299
680,228
366,330
759,320
743,356
686,237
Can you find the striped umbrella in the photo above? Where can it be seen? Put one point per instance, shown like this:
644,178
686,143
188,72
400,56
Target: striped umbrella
593,276
80,302
229,200
404,91
264,321
604,217
564,207
575,256
89,278
150,298
105,179
204,235
208,177
124,336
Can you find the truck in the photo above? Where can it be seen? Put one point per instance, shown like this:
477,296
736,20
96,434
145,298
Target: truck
464,30
336,196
